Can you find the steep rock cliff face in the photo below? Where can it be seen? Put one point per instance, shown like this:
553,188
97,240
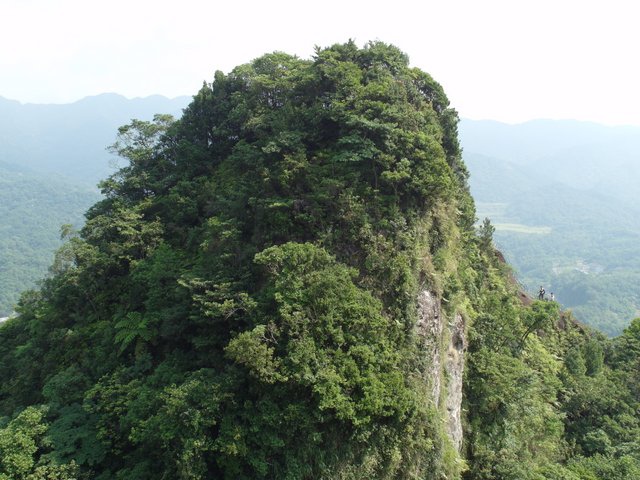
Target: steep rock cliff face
444,344
454,369
429,327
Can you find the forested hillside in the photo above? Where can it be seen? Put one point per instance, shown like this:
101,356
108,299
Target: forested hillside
33,208
51,159
285,284
563,199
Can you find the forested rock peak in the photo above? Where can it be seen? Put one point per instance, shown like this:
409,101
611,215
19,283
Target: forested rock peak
355,118
282,284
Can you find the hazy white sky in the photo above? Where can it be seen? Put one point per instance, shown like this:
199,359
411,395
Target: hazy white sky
509,60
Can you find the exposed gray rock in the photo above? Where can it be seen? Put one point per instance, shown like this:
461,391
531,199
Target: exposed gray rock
448,363
454,367
429,327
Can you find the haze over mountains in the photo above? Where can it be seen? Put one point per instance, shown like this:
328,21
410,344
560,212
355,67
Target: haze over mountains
584,155
562,195
51,159
71,139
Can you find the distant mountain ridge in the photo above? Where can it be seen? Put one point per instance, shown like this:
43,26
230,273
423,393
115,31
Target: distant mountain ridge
71,139
584,155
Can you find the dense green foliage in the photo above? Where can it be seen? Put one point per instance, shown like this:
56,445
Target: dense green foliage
560,403
243,303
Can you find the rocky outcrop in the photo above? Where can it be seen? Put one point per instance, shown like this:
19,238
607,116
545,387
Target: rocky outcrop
444,349
454,368
429,328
